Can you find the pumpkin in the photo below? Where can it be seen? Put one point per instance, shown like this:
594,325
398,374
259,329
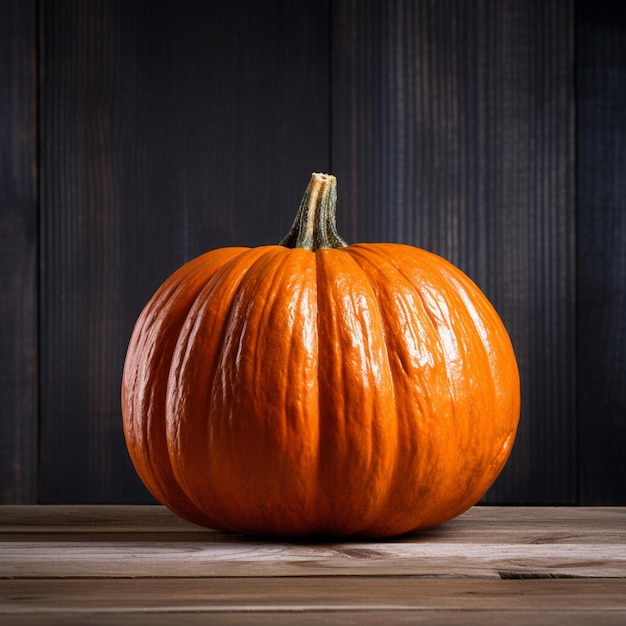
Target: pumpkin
319,388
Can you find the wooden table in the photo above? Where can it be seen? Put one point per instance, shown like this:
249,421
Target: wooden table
141,565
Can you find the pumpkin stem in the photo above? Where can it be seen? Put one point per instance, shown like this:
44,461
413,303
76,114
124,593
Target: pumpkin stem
315,226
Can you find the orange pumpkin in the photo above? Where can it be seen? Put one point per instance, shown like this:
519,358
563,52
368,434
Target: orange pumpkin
316,388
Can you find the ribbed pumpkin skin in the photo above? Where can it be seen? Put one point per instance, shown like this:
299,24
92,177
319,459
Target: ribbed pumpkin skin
369,391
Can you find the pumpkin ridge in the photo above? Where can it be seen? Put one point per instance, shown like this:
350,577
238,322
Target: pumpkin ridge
294,422
425,469
321,495
418,289
372,480
277,266
378,249
181,287
204,296
245,325
480,307
234,271
145,330
396,480
217,277
469,339
459,381
141,380
232,335
378,270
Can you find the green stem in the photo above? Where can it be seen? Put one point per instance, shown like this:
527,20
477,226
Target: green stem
315,226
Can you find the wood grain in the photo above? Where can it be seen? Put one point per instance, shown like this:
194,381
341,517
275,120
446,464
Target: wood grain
329,593
453,131
104,558
601,259
134,564
18,253
357,617
497,524
485,542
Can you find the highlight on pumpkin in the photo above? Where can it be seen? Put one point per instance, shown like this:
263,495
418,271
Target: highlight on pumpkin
319,388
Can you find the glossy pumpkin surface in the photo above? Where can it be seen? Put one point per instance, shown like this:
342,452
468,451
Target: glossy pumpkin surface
365,390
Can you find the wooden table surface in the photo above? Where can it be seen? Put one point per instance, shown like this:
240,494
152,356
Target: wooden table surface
142,565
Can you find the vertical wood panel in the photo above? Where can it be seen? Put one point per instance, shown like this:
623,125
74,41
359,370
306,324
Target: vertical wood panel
601,286
168,129
453,131
18,252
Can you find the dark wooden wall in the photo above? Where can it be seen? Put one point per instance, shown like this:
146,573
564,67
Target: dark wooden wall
601,251
137,135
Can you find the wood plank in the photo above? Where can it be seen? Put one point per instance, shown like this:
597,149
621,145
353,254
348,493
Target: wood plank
480,524
134,564
294,595
453,131
90,518
443,617
601,259
160,556
18,252
483,543
166,132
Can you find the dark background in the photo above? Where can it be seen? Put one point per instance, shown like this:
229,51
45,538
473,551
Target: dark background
138,134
